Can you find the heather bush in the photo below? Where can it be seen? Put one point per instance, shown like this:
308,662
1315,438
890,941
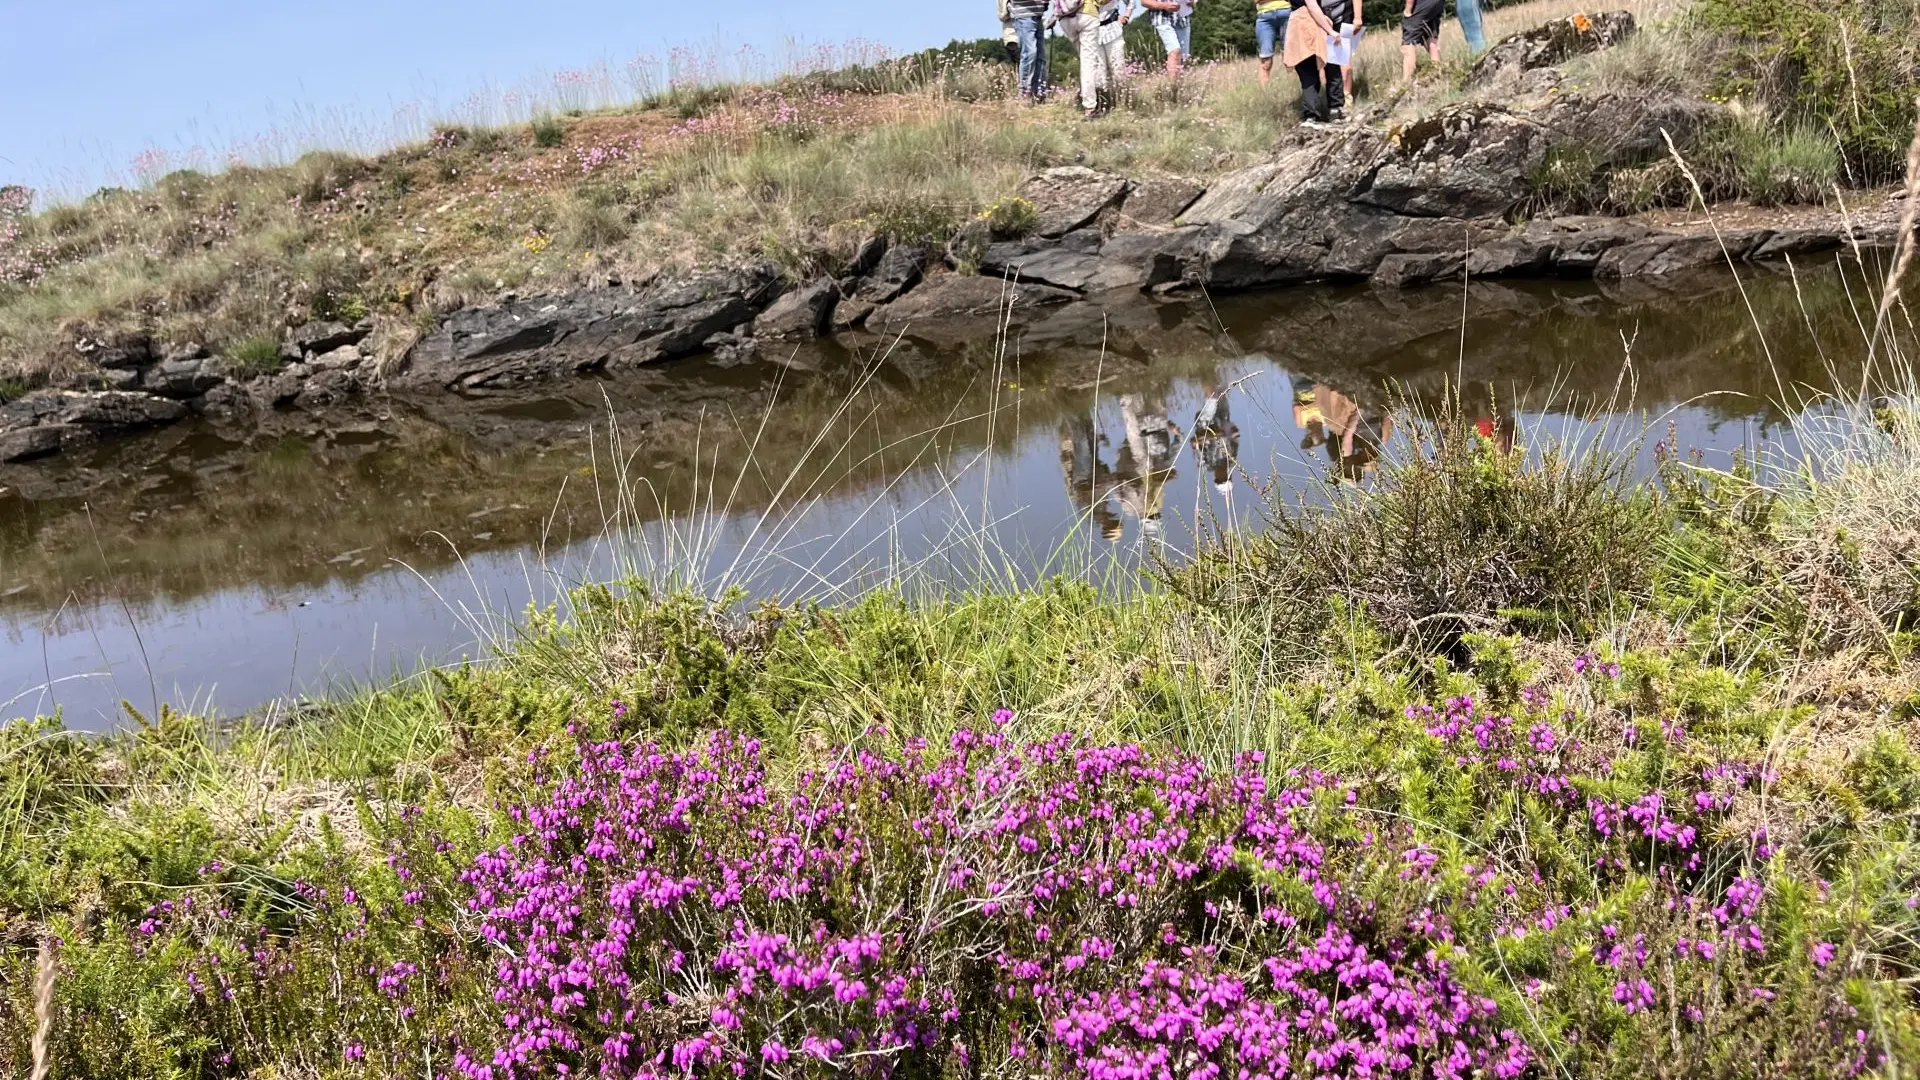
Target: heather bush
995,908
1520,862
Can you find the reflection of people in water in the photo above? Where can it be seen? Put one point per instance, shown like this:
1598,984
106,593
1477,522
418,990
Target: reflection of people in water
1216,440
1352,435
1090,482
1145,463
1499,430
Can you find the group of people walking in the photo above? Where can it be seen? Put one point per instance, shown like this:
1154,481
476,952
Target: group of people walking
1315,38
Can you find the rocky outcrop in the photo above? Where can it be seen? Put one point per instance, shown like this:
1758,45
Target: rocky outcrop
1071,197
963,296
52,420
1555,43
1158,200
805,312
519,341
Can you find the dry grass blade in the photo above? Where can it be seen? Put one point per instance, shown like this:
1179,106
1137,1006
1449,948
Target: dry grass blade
43,1010
1903,249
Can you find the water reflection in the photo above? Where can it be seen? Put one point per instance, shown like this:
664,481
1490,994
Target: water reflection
278,560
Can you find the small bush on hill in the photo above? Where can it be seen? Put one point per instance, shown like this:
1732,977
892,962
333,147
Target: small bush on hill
253,353
1453,534
548,131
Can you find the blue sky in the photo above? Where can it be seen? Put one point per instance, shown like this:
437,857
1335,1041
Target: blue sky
87,85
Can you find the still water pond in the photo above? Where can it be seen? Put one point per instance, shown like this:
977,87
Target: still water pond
204,568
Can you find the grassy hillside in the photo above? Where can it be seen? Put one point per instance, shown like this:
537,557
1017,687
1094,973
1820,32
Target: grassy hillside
801,170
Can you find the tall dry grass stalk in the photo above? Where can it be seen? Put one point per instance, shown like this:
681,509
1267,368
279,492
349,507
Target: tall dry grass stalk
43,1009
1903,246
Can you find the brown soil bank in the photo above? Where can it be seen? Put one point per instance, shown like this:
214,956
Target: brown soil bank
1470,188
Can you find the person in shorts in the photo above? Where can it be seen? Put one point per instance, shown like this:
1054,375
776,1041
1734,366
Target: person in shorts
1419,29
1173,21
1269,30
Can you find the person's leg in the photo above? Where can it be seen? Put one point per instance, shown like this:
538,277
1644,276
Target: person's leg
1116,60
1033,57
1336,83
1184,28
1266,34
1470,25
1169,41
1090,83
1408,57
1312,104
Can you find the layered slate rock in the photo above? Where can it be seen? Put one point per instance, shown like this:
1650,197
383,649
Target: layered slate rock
50,420
1071,197
954,296
805,312
1158,200
609,327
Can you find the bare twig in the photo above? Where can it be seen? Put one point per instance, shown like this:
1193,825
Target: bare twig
43,1009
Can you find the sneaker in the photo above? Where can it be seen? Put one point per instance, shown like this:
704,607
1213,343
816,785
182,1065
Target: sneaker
1337,116
1316,125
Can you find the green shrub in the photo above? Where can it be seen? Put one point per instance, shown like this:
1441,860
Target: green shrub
1453,534
688,102
1846,68
1747,156
915,220
548,131
592,220
320,175
1640,188
486,140
1566,180
254,354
